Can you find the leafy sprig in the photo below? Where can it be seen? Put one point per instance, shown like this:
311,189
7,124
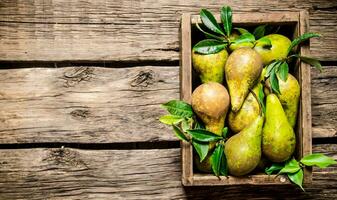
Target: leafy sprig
294,168
278,69
187,128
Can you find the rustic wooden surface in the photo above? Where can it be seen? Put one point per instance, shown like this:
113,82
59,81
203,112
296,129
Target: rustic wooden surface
96,74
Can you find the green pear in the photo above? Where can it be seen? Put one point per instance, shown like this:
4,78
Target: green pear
242,71
243,150
278,137
277,51
210,101
247,114
206,164
210,67
289,97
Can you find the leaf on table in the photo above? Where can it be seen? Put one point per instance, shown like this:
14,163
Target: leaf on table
259,31
179,133
209,21
297,178
170,119
201,148
202,135
302,38
226,18
275,167
216,159
283,71
209,46
318,159
291,166
179,108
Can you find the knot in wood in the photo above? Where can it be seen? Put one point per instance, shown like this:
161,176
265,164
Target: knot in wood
76,75
143,79
65,157
78,113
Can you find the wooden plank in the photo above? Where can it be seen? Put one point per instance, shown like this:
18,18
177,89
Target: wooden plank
324,103
128,30
98,104
131,174
85,104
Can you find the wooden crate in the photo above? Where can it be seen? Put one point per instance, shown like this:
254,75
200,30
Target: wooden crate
295,23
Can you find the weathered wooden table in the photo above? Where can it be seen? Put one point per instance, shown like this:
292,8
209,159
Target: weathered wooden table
80,87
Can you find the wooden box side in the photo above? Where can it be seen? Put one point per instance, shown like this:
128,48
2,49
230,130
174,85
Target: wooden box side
186,92
303,75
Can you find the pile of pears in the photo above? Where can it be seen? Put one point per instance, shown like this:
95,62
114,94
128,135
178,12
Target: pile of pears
232,82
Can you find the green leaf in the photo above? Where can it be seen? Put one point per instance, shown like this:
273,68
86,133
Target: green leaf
259,31
224,166
264,43
201,148
179,108
246,37
170,119
241,30
202,135
297,178
312,61
274,82
209,46
179,133
283,71
302,38
261,99
273,168
270,67
291,166
209,34
185,124
216,159
224,132
209,21
226,18
318,160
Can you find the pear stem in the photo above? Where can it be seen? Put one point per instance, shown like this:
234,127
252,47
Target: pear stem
257,99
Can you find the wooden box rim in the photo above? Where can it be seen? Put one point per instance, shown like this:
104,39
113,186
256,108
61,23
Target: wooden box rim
300,20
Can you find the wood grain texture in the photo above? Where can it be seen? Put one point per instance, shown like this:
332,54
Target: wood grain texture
97,104
129,30
131,174
85,104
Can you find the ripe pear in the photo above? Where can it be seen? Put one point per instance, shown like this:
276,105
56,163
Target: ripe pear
210,101
289,97
242,70
210,67
206,164
247,114
278,137
277,51
243,150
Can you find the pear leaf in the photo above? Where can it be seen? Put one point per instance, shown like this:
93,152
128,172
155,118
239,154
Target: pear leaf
209,46
224,132
291,166
270,67
209,21
261,99
273,168
246,37
202,135
226,18
274,82
259,31
179,133
318,160
241,30
283,71
170,119
224,166
179,108
201,148
209,35
312,61
297,178
302,38
217,155
185,124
